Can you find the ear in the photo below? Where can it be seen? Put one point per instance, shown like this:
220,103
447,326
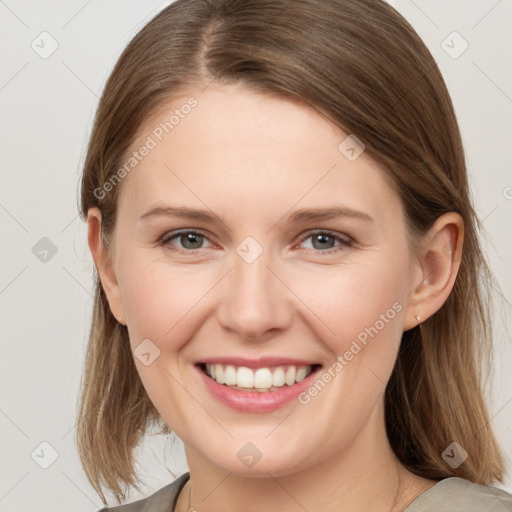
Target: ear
438,263
104,265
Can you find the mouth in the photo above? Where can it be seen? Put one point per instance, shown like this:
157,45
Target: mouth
259,385
261,379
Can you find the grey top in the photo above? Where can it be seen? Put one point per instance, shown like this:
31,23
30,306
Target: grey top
452,494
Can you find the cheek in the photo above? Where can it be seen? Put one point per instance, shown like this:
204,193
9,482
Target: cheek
162,304
160,299
355,301
359,306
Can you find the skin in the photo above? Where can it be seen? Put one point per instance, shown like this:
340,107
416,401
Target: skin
253,159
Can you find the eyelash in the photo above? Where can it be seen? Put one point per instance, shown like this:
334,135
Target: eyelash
345,241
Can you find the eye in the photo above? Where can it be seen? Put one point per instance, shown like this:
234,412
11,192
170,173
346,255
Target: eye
189,240
321,241
324,241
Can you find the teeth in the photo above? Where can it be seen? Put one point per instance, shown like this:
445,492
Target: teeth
289,377
263,378
278,377
301,374
259,379
245,377
230,377
219,374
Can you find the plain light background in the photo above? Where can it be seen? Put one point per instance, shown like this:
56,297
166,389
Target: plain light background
47,107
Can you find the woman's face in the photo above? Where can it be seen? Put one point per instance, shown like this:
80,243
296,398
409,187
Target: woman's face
293,258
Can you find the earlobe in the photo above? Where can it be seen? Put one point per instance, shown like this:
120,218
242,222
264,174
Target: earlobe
104,265
439,263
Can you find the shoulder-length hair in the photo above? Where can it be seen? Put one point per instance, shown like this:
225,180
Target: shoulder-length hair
362,65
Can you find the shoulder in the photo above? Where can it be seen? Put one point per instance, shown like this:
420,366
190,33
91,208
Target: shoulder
163,500
457,494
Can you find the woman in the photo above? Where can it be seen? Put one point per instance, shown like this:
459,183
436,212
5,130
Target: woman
289,275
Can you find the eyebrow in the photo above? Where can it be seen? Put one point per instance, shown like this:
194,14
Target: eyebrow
317,214
183,212
298,216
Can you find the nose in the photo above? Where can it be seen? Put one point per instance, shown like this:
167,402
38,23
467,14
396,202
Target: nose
255,302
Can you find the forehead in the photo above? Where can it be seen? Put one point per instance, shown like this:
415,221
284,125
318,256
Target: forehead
238,148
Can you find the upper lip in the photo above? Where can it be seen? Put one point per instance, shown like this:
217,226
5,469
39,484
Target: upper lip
261,362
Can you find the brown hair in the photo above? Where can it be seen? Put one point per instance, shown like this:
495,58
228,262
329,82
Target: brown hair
363,66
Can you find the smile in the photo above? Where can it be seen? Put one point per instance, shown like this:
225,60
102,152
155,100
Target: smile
256,386
257,379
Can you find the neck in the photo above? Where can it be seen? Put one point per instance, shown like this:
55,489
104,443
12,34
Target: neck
364,476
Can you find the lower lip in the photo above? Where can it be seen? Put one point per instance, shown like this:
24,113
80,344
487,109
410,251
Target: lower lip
255,401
